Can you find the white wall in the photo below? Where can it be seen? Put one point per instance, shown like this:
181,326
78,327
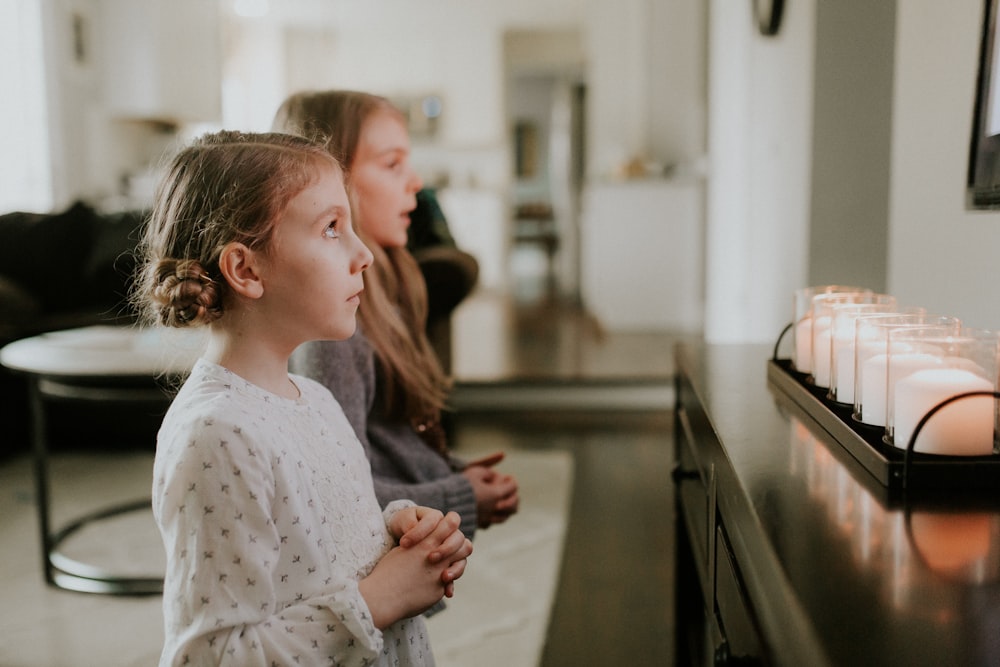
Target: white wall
73,98
646,80
852,138
644,68
646,234
759,143
27,178
678,79
940,255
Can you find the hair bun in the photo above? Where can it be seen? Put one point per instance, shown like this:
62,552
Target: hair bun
184,294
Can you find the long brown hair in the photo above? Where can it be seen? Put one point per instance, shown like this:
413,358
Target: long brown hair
393,312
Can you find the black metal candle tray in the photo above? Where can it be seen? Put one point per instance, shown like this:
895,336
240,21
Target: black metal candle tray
928,477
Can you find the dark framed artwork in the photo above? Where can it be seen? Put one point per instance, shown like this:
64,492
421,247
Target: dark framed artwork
983,181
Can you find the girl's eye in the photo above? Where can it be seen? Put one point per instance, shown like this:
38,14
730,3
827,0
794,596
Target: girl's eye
331,231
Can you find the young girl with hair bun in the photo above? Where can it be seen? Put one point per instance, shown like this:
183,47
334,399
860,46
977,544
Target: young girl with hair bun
277,549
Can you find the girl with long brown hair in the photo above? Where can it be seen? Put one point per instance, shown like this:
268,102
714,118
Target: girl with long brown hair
387,376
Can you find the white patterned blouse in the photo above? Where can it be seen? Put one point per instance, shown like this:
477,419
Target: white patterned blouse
269,520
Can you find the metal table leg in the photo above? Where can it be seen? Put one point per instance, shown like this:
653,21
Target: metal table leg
60,570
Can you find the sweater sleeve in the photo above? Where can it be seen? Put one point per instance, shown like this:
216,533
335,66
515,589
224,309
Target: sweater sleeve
347,369
403,466
448,494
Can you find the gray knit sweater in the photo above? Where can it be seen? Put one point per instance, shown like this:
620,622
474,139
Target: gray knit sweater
403,465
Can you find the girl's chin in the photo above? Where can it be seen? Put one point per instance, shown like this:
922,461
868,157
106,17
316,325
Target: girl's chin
395,242
390,238
342,332
399,238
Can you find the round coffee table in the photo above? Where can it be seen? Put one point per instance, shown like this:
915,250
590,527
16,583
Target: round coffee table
108,365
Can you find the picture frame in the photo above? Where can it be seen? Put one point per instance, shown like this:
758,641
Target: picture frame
983,178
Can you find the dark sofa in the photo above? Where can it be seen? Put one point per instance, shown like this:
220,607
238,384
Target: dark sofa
59,270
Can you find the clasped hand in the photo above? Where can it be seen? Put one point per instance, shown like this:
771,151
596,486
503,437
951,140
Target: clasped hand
431,556
496,494
430,529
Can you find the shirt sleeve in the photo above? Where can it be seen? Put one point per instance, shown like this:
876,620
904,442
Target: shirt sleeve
214,507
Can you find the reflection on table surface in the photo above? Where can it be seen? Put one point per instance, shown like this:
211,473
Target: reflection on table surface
936,567
959,545
106,350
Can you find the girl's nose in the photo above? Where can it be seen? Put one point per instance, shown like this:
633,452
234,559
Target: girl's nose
416,183
363,257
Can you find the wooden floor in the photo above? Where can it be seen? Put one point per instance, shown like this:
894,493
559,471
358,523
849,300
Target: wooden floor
614,600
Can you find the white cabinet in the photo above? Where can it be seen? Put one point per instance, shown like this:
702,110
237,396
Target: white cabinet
641,254
161,59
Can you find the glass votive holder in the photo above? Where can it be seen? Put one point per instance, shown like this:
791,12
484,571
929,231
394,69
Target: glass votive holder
871,358
822,329
938,366
842,344
802,319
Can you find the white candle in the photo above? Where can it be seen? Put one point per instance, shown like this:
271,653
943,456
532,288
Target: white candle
821,351
872,392
874,381
803,344
848,350
843,379
965,364
842,358
964,427
863,351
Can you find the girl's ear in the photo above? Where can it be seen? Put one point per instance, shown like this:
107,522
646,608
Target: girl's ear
238,265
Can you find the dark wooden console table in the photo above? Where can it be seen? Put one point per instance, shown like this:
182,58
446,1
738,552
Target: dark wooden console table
791,553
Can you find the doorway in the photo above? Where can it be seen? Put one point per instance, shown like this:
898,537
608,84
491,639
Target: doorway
538,328
545,109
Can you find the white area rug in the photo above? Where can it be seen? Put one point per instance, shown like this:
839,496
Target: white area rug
498,616
500,613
